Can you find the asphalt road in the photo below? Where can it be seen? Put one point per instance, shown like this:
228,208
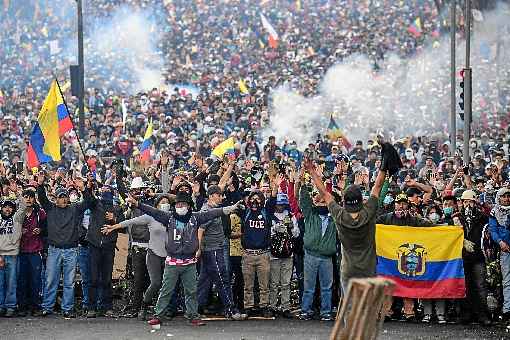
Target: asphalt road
55,327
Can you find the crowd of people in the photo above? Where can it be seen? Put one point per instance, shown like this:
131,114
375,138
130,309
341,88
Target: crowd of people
188,233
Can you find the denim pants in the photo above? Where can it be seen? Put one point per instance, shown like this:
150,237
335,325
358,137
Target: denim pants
8,282
188,276
155,267
83,265
323,266
213,270
29,281
504,262
60,260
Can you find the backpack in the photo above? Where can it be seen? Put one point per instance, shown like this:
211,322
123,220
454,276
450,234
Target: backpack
282,245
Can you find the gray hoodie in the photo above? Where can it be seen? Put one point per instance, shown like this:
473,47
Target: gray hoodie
10,231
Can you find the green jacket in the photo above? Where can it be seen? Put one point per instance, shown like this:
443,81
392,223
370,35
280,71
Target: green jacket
314,242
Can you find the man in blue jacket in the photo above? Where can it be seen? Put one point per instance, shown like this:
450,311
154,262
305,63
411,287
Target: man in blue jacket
499,224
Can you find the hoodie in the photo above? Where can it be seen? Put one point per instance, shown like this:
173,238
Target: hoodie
357,237
10,231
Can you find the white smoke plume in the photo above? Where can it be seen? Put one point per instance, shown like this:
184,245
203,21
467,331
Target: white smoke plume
407,96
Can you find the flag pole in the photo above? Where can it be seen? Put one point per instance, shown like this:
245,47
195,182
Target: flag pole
70,117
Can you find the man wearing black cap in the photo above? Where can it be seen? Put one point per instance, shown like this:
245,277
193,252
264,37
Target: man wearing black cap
64,228
355,223
213,269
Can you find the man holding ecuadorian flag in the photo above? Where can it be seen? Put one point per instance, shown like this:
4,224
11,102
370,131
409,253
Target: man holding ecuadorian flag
225,148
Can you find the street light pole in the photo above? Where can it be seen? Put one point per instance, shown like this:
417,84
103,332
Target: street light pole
467,85
453,99
81,94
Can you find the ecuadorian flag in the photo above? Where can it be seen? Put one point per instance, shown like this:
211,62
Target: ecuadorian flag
225,147
145,147
52,123
424,262
334,132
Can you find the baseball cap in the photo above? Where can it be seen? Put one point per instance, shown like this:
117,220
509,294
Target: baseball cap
353,199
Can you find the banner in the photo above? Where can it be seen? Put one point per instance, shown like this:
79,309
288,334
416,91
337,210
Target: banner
423,262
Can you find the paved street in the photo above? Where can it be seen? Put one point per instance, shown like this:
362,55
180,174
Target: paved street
57,328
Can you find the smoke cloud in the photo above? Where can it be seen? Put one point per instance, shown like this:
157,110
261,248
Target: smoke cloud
406,96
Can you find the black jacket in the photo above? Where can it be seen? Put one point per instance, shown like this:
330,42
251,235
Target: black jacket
94,236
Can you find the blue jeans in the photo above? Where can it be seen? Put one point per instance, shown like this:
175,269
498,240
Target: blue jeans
504,262
29,281
60,260
8,282
83,265
323,266
213,270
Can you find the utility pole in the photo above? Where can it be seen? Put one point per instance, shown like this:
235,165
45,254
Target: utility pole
453,95
81,94
467,85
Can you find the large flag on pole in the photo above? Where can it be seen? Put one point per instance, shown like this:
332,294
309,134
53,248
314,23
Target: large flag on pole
424,262
415,27
145,147
334,132
273,36
52,123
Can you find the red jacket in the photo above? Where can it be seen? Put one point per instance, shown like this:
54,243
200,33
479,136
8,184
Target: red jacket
31,243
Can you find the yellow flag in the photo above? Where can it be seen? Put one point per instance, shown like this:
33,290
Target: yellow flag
242,87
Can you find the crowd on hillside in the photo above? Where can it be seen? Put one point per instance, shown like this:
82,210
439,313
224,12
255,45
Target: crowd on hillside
64,217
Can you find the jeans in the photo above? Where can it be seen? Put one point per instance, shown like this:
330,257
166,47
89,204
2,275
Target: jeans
101,268
213,270
155,266
188,276
281,274
83,264
504,262
323,266
259,265
60,260
29,281
8,282
440,306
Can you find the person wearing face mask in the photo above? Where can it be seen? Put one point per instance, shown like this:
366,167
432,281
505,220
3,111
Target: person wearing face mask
101,249
449,209
403,216
473,219
319,243
213,269
182,250
10,236
156,252
499,224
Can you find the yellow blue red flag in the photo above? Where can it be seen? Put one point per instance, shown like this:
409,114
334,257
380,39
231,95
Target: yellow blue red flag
424,262
145,147
52,123
225,147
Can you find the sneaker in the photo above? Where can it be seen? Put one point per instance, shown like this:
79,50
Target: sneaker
238,316
197,322
69,315
41,313
305,316
154,321
9,313
142,314
110,313
251,312
326,317
426,318
268,313
130,314
287,314
22,313
441,319
91,314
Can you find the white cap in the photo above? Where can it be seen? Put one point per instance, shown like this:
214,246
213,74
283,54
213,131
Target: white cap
137,183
